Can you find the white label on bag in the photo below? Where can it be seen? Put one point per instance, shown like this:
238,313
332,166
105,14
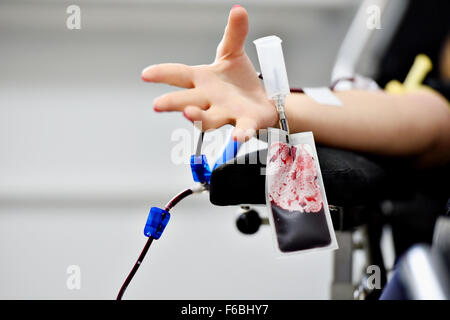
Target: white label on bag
323,95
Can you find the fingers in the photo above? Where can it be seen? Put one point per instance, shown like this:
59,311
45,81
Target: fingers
174,74
235,33
244,130
209,119
178,100
216,117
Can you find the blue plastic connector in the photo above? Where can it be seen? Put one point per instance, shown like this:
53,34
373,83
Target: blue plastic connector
200,169
156,222
230,151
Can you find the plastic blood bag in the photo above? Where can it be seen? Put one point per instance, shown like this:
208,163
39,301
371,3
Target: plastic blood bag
298,209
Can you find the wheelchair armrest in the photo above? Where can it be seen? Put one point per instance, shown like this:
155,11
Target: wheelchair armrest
349,179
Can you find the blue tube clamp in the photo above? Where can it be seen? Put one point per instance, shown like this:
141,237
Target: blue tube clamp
200,169
156,222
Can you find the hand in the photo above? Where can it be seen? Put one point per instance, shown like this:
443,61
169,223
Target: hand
227,91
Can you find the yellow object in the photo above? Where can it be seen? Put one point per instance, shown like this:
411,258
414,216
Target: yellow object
421,67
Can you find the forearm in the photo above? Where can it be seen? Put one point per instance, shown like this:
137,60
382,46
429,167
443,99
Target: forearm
415,125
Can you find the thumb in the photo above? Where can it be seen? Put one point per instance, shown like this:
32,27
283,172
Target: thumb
235,33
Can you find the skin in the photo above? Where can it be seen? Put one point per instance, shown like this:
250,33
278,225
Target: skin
414,125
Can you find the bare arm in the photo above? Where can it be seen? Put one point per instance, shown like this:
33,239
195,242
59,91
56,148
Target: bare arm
228,91
415,125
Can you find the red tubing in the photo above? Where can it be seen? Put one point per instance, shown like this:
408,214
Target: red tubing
141,257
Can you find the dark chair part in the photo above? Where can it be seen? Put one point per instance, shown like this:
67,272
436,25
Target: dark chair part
248,222
349,179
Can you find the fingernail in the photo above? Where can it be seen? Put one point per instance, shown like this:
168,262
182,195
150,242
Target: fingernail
238,132
186,116
156,105
236,6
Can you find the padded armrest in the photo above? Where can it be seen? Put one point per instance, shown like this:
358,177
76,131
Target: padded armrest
349,179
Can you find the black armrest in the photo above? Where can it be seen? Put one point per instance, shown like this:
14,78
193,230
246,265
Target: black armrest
349,179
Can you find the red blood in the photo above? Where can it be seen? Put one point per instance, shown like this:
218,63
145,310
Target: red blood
293,182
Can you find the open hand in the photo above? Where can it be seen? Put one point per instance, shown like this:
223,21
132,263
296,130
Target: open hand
227,91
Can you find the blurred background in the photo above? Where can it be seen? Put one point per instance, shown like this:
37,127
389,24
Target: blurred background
83,156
